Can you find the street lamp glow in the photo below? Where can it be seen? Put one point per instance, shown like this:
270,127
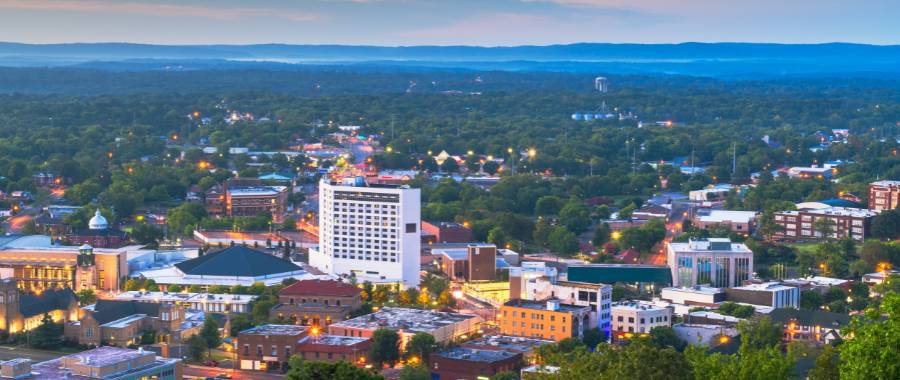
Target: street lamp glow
532,152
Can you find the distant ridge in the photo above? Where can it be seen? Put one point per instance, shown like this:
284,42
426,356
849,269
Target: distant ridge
704,58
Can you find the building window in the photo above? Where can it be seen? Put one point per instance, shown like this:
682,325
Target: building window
410,228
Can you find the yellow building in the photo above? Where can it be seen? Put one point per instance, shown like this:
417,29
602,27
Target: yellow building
544,319
37,265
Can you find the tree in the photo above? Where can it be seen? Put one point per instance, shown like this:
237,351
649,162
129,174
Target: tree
575,216
593,337
811,300
824,227
449,165
491,167
239,322
415,372
86,297
664,337
146,234
871,354
30,228
548,205
625,212
601,235
47,336
210,334
760,334
420,346
175,288
289,224
498,237
562,241
385,347
319,370
506,375
185,216
196,347
827,365
886,225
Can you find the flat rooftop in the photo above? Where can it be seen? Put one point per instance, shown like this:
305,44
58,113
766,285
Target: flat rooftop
508,343
270,329
414,320
636,305
98,357
476,355
256,191
886,183
765,287
836,211
695,290
542,305
184,297
332,340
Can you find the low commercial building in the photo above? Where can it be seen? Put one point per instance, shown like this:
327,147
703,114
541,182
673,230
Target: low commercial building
741,222
443,326
844,222
596,296
445,232
643,277
818,283
810,172
476,262
638,317
269,347
472,364
714,262
332,348
695,295
106,363
25,311
317,302
530,270
237,265
544,319
247,197
211,303
814,326
884,195
770,294
526,346
879,277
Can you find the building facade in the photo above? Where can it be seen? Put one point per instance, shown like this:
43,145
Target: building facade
884,195
123,323
844,222
544,319
370,232
25,311
108,363
715,262
333,348
205,302
771,294
476,262
269,347
596,296
445,232
316,302
638,317
472,364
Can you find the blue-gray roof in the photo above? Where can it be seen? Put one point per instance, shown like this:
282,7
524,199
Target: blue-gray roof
613,273
237,261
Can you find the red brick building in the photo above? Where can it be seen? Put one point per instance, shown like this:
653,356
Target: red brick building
332,348
476,262
445,232
269,347
884,195
846,222
317,302
472,364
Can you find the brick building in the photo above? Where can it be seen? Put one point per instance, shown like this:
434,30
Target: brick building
845,222
332,348
25,311
445,232
269,347
884,195
476,262
471,364
247,197
443,326
317,302
120,323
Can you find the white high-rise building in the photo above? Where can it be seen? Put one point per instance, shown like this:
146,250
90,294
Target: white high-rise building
715,262
368,231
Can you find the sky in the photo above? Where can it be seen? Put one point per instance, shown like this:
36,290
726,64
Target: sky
449,22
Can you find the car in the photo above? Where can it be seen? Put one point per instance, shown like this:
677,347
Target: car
211,363
223,375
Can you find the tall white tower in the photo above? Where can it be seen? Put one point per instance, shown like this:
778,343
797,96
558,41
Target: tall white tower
369,231
600,84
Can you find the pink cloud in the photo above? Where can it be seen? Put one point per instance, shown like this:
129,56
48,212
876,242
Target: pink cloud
150,9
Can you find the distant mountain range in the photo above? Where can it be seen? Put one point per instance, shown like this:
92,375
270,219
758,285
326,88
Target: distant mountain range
701,59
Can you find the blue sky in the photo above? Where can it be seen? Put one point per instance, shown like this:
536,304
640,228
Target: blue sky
449,22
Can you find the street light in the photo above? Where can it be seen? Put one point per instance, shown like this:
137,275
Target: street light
457,295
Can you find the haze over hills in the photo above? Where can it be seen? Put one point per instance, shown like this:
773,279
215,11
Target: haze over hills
701,59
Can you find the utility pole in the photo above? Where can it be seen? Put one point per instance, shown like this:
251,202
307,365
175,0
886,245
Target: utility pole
392,127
